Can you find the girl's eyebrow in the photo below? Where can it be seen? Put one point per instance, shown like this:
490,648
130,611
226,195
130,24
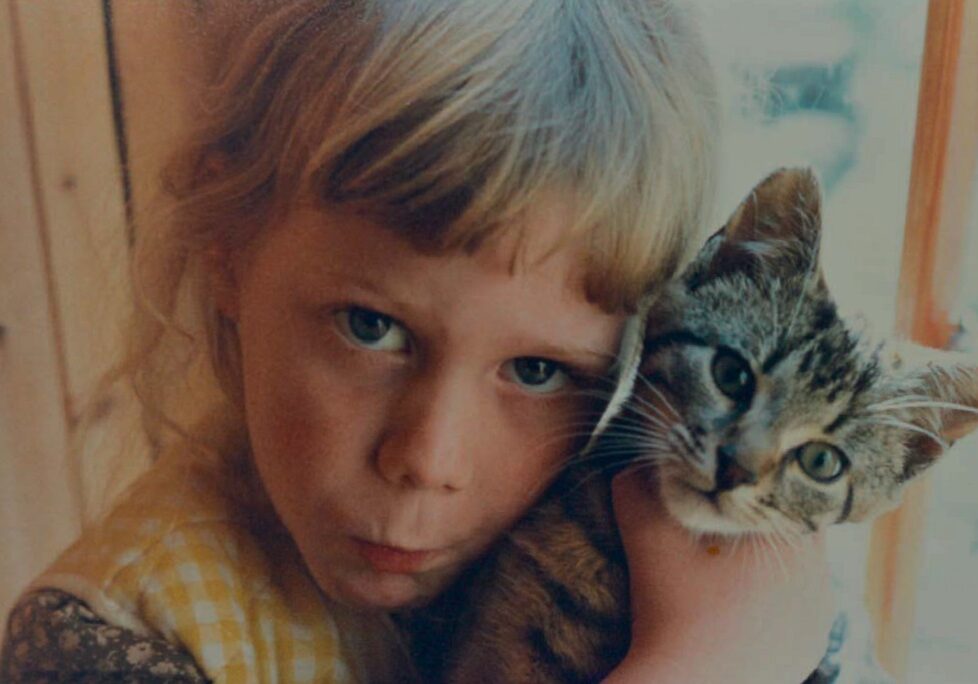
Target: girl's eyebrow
352,280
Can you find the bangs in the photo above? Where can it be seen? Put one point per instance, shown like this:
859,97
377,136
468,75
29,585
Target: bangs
453,143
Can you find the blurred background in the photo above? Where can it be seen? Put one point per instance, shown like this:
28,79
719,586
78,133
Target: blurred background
878,96
834,84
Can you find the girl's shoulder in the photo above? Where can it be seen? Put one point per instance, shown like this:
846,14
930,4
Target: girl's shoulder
177,524
53,635
182,557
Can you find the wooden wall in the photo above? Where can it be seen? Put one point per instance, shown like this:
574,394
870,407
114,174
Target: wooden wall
92,95
62,232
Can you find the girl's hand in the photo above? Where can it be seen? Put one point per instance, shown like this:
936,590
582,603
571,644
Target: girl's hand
715,610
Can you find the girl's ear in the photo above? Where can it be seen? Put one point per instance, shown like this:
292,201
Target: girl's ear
220,264
775,230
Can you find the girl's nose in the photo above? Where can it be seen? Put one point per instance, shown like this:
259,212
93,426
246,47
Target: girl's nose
430,437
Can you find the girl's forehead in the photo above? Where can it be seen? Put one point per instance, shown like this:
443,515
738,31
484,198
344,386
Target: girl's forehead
542,237
526,280
535,246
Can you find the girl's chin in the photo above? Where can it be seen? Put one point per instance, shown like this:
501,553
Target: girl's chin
379,591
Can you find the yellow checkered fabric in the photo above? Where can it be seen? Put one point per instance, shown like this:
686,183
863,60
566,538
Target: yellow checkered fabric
178,557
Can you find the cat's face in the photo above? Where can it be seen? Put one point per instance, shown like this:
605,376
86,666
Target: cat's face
764,410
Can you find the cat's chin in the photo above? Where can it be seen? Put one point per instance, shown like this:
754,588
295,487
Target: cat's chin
698,510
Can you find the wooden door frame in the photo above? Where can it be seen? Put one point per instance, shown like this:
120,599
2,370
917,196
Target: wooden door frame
938,208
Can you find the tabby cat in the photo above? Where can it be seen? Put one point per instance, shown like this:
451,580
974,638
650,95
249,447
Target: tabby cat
761,409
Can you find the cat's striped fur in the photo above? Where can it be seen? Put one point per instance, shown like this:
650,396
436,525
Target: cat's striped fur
761,409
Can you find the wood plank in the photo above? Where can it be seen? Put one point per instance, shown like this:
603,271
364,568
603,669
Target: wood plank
938,206
159,50
39,503
79,183
167,53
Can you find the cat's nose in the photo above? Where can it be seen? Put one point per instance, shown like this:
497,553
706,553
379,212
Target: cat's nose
730,473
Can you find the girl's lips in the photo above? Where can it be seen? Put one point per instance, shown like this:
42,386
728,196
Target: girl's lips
392,559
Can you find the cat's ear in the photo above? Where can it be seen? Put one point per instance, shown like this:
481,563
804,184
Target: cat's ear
942,403
775,230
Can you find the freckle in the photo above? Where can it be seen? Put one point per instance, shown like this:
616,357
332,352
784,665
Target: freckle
713,550
69,181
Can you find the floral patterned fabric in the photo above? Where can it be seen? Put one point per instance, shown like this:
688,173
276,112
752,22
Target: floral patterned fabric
53,637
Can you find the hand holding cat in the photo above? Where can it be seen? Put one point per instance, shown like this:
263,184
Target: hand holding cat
753,611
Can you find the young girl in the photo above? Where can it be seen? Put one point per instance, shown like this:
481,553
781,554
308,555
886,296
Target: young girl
402,247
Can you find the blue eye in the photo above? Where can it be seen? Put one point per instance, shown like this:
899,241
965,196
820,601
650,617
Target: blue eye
537,375
372,330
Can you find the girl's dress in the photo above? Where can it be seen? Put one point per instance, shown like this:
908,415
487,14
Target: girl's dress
195,578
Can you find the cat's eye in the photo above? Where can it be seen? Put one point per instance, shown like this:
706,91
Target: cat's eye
732,375
537,375
821,461
372,329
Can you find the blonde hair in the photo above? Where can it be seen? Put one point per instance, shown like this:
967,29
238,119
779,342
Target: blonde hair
449,119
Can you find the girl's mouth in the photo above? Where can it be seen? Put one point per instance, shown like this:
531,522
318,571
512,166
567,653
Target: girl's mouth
394,560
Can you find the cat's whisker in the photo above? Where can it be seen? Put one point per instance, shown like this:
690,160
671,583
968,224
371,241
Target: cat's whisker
654,446
638,420
689,443
894,422
768,553
793,538
648,384
642,419
644,441
898,400
789,537
653,412
651,453
791,533
758,554
660,394
761,541
668,453
774,551
650,414
624,459
651,450
637,446
950,406
559,436
623,434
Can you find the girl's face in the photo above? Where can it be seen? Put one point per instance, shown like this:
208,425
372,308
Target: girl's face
405,409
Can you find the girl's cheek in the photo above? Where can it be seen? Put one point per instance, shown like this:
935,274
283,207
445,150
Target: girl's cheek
556,422
546,432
